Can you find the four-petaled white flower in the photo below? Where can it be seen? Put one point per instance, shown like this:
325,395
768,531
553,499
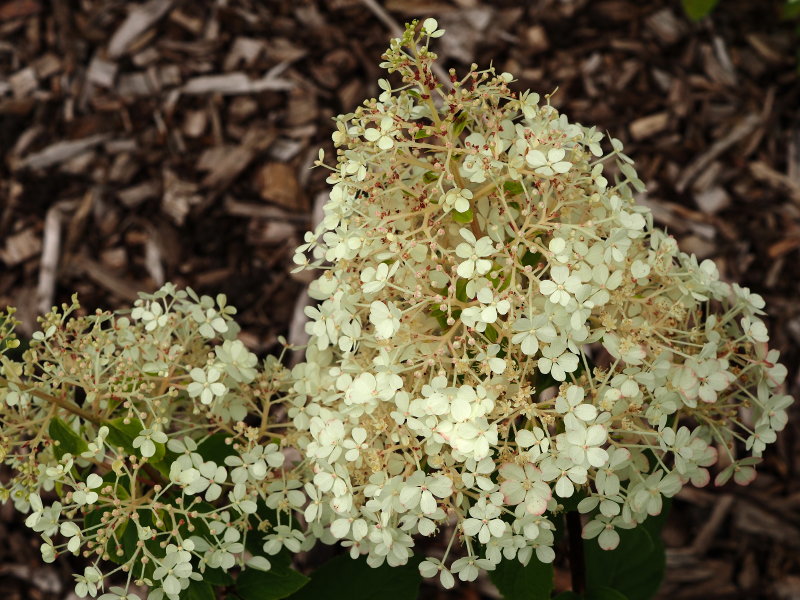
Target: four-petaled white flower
88,583
571,406
492,305
557,361
206,384
561,286
458,199
152,314
385,318
84,492
474,253
147,439
374,279
484,521
584,444
550,164
421,490
384,135
524,485
237,360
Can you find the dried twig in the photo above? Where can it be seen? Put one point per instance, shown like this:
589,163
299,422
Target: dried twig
235,83
737,134
763,172
60,152
48,269
706,535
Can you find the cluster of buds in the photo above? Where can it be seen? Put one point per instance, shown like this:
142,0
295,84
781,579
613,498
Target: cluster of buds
501,335
502,331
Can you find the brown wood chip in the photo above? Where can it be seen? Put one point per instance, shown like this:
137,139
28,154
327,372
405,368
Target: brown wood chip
20,247
59,152
277,182
234,83
16,9
650,125
140,19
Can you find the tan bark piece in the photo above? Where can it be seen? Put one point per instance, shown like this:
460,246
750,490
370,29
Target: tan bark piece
277,183
139,20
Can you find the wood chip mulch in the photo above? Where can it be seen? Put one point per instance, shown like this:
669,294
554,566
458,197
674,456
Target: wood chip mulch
169,140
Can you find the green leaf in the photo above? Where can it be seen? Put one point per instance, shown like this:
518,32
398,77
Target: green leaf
463,217
791,10
635,568
531,259
596,593
531,582
343,578
513,187
697,9
460,123
441,318
215,449
461,290
604,593
198,590
275,584
126,538
69,442
217,577
422,133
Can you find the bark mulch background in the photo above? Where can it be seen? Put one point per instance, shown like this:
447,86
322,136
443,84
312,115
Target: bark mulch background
165,140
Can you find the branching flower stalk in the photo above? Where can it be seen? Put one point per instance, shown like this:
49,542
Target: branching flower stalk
502,331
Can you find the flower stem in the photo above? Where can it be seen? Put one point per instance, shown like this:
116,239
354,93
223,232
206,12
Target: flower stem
61,402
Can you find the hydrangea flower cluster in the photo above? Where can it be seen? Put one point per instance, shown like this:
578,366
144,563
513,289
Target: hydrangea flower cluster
501,335
157,430
501,331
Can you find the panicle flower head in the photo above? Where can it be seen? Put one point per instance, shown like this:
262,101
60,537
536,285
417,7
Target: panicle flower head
500,331
500,327
137,420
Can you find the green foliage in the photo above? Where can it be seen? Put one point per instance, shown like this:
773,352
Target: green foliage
217,577
634,569
513,187
198,590
534,581
460,123
596,593
214,448
277,583
604,593
69,442
463,217
343,578
697,9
